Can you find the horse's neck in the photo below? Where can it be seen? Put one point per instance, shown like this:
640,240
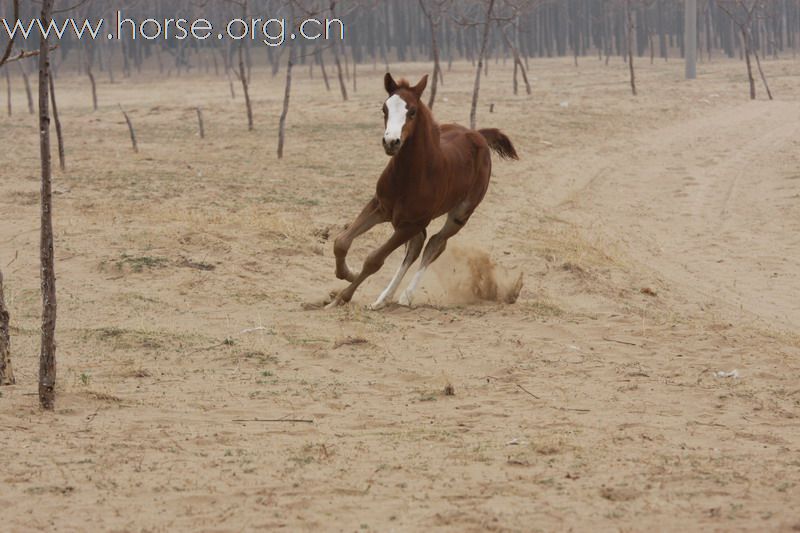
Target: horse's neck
422,147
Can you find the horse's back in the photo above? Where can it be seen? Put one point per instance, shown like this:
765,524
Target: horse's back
460,142
468,156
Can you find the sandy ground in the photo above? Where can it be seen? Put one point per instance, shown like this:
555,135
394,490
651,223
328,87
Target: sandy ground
658,238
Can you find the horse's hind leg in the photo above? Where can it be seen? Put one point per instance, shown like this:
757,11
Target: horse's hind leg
370,216
456,220
413,249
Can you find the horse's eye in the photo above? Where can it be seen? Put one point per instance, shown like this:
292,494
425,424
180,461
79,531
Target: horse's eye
412,112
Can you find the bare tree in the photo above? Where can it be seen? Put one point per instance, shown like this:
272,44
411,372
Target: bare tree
321,60
514,44
242,73
433,9
47,356
287,91
337,60
487,24
742,13
630,29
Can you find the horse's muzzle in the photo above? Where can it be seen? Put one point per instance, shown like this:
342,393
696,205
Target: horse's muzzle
391,147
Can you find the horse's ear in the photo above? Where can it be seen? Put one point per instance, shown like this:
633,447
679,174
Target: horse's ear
389,84
419,88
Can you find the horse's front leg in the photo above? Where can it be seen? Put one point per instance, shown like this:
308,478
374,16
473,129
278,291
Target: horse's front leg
375,261
370,216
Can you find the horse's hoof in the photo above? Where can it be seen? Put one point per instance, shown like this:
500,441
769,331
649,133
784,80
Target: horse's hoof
405,300
334,304
377,306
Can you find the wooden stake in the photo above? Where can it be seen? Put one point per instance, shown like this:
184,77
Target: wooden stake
200,123
131,130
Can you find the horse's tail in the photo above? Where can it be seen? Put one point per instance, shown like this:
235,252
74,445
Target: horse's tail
500,143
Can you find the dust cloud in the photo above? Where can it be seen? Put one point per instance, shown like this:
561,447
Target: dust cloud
465,274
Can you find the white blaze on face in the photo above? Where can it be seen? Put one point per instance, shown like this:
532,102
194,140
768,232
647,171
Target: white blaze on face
396,118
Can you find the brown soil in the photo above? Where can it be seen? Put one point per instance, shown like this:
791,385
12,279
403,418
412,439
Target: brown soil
656,240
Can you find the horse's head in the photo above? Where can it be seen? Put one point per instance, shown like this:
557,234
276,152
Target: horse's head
400,112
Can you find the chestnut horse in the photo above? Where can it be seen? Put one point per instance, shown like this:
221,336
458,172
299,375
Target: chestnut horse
433,170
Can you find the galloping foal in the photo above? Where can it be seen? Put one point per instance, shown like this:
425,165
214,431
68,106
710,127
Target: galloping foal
433,170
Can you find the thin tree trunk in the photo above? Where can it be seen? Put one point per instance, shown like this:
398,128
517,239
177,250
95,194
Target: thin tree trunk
126,66
339,71
28,91
110,66
690,39
651,41
62,163
629,14
6,371
94,86
324,72
523,66
342,86
243,77
519,66
516,83
437,69
249,59
477,87
746,46
47,356
346,61
287,93
355,75
609,21
761,73
9,107
337,59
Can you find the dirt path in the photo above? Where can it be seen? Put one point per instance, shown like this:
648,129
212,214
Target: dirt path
710,204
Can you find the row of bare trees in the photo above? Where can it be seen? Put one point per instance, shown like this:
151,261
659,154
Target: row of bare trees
438,30
405,30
